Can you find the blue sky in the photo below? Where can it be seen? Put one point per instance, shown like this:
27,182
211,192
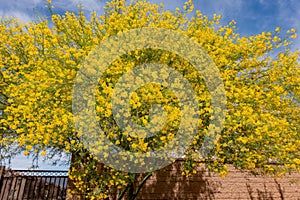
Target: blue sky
252,17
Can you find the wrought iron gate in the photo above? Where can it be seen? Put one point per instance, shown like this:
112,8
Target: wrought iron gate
33,184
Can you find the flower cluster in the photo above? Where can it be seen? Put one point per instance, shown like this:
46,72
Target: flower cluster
261,77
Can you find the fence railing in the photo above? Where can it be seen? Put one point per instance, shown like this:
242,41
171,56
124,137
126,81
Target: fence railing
33,184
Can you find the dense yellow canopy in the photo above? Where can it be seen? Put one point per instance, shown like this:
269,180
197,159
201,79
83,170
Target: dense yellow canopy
261,76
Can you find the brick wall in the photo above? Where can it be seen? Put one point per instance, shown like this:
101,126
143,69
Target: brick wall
169,184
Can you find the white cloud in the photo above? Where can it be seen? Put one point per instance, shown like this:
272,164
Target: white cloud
19,4
22,162
265,2
169,4
228,6
24,9
88,5
290,17
22,16
21,9
221,7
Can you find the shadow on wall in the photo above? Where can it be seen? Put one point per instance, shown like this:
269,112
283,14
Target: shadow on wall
264,193
168,183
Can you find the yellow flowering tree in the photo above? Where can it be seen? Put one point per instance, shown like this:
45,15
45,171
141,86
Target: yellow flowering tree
260,73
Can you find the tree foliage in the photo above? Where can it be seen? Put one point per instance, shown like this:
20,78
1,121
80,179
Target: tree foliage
261,75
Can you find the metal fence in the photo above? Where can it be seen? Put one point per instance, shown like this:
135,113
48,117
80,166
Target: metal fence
33,184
